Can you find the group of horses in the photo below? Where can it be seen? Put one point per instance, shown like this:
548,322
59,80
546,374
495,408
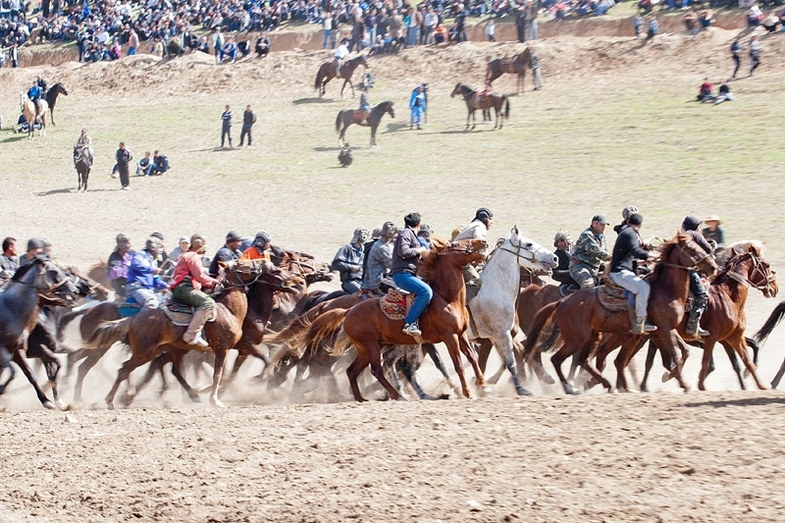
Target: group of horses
262,303
474,99
47,107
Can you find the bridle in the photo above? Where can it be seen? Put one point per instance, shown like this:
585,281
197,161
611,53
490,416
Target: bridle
694,260
517,252
757,268
224,286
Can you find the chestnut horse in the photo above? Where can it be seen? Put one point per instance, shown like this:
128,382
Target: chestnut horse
724,318
350,116
772,321
151,333
516,65
498,102
579,319
327,72
445,319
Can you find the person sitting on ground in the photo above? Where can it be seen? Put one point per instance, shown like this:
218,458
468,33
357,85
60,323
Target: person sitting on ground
706,91
714,233
144,275
244,47
348,261
700,296
690,19
229,49
589,253
188,278
562,241
724,94
627,248
144,166
440,34
770,22
706,18
259,249
406,259
21,124
346,155
160,163
262,46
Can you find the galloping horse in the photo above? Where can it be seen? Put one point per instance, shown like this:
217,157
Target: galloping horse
580,317
445,319
36,281
82,163
51,98
350,116
516,65
28,108
493,308
327,72
498,102
772,321
150,332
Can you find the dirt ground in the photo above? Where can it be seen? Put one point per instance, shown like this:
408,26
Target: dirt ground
664,456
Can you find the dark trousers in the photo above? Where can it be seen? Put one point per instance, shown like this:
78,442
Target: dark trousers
226,132
245,132
736,65
755,62
521,33
124,178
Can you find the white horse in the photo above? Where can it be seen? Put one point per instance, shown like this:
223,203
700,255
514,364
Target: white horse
493,308
28,108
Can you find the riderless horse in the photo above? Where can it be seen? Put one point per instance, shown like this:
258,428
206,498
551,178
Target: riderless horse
516,65
327,72
51,98
474,100
350,116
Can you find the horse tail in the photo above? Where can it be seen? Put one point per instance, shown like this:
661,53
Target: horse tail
506,107
338,121
108,333
771,322
323,330
67,318
543,323
293,336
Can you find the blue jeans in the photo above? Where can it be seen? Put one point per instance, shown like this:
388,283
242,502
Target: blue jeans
413,284
351,286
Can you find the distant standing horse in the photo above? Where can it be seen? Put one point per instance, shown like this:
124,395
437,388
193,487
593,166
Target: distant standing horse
327,72
516,65
28,108
51,98
82,163
350,116
498,102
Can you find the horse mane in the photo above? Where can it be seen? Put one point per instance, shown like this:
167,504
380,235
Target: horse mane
429,260
25,268
665,252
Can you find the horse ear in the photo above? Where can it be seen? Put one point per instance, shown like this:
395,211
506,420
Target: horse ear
514,230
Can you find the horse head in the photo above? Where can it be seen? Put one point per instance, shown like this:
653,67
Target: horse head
529,254
751,268
457,90
685,253
389,109
53,284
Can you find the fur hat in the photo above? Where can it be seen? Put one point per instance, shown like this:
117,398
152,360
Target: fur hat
388,230
425,230
630,209
361,235
561,235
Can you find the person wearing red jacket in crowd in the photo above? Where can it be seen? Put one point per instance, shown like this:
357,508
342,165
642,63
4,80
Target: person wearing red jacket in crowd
188,278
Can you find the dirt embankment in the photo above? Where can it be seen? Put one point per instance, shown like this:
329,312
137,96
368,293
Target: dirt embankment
505,31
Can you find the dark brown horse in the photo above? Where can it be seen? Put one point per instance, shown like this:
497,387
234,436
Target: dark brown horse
474,100
579,319
772,321
350,116
725,319
51,98
82,163
516,65
445,319
327,72
150,332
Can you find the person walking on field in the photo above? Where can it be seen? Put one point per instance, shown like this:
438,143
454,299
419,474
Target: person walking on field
735,51
123,157
755,53
249,118
226,126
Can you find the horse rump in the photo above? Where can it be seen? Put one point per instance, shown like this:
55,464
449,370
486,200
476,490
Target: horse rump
543,325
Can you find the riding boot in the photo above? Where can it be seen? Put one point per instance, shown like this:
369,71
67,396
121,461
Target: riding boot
193,335
694,328
642,327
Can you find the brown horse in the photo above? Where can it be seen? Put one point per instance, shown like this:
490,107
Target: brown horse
150,332
328,71
772,321
350,116
517,66
444,320
498,102
724,318
579,319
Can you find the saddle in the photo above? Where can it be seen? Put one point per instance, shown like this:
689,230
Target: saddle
360,115
180,313
615,298
396,304
129,308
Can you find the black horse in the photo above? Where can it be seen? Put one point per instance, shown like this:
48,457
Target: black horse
474,100
328,71
51,98
82,162
350,116
36,281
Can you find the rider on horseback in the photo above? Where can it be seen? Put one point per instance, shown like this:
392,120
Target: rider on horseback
700,296
476,230
143,275
628,247
406,258
589,252
365,104
85,145
259,248
187,280
341,52
36,94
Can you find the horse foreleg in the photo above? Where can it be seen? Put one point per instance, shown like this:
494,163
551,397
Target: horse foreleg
668,343
453,344
468,351
5,363
774,382
21,361
504,345
707,362
218,372
741,349
177,372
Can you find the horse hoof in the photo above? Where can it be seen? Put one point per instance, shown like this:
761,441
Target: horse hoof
548,379
218,403
48,405
666,376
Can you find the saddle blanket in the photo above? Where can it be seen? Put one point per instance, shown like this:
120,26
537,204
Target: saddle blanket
615,298
395,305
181,313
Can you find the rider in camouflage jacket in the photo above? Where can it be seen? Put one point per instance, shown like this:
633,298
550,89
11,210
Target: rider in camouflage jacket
590,251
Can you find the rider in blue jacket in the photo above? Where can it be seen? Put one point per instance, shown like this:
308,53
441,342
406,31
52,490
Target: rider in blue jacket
36,94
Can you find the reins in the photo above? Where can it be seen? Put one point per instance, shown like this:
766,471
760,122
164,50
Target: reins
744,280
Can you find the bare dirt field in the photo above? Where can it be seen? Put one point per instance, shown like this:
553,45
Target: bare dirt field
614,125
